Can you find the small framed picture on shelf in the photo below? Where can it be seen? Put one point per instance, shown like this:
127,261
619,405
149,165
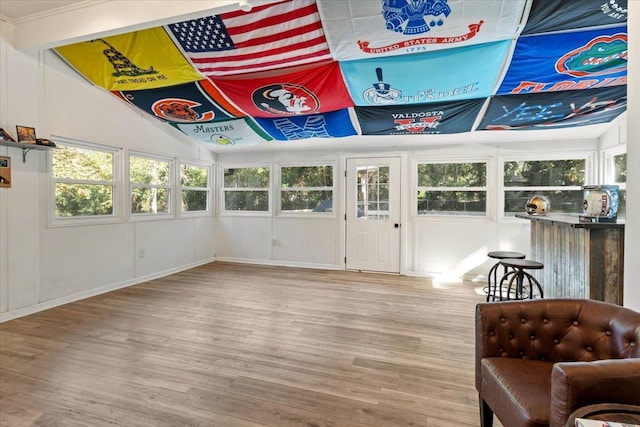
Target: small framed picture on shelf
26,134
5,172
4,136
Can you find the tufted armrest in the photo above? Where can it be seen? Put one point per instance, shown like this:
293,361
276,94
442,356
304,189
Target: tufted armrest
578,384
555,330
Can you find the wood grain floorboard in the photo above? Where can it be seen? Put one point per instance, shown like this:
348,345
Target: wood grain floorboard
242,345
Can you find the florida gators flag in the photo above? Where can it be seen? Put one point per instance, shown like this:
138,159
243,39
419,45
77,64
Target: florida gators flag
144,59
568,61
186,103
357,29
231,133
309,90
284,34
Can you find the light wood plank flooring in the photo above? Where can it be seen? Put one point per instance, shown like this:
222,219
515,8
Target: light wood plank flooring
241,345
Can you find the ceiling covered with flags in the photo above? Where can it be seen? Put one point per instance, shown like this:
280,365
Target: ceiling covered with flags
305,69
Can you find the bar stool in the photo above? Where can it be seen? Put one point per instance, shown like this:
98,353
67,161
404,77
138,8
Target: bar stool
492,290
519,283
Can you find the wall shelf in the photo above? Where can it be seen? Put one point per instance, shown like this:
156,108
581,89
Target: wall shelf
27,147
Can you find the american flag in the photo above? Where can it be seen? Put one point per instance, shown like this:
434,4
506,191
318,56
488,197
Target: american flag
273,36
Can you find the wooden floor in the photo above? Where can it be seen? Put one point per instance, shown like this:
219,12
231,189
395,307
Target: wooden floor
240,345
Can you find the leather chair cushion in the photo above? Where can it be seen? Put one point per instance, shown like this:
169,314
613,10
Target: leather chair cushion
523,386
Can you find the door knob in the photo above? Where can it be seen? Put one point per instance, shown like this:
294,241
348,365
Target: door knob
396,225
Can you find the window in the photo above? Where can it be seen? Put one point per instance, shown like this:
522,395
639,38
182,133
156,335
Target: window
305,189
615,172
452,188
150,181
194,182
560,181
246,189
84,181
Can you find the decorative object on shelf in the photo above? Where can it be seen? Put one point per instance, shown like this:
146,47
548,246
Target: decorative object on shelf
4,136
600,203
26,135
44,141
5,172
538,205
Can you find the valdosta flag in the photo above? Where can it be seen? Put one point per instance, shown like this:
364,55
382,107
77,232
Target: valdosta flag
444,75
357,29
186,103
144,59
558,15
334,124
555,109
283,34
436,118
236,132
568,61
310,90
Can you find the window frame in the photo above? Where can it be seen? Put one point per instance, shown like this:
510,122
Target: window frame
590,173
222,190
489,189
115,183
278,192
180,188
608,169
171,186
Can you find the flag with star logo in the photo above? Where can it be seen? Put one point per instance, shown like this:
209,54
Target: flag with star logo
272,36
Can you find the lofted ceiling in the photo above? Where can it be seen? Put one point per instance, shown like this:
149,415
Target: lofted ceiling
349,73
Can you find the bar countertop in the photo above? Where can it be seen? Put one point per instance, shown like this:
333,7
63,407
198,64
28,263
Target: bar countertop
570,220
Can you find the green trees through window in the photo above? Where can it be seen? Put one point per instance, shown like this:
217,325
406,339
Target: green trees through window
306,188
452,188
150,181
560,181
83,182
246,189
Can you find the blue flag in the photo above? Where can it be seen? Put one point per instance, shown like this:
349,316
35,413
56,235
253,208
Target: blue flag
445,75
555,109
568,61
436,118
335,124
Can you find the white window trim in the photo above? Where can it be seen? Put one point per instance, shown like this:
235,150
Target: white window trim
489,189
278,190
221,190
116,183
590,175
178,207
171,186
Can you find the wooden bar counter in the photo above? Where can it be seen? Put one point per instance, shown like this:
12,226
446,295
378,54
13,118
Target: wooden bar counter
581,259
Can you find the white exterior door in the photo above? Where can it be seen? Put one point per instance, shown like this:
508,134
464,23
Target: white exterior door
373,214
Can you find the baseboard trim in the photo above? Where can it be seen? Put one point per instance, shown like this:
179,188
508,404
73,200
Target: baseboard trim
275,263
25,311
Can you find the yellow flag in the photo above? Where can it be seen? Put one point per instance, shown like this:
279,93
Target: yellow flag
145,59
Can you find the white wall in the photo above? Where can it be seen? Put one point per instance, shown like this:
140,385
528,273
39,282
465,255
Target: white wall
445,248
632,227
43,265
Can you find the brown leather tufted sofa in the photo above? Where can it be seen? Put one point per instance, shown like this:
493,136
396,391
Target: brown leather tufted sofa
539,360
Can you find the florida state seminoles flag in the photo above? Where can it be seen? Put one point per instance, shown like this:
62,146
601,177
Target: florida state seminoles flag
318,89
144,59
